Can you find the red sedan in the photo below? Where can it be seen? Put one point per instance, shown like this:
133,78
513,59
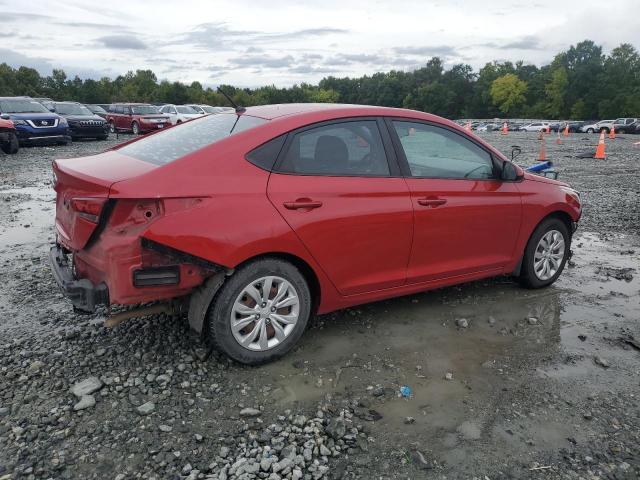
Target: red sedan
261,218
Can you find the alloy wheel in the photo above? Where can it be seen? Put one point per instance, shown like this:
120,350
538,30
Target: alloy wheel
548,255
265,313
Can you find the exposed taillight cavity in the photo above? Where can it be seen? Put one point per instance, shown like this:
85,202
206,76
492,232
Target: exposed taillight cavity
88,208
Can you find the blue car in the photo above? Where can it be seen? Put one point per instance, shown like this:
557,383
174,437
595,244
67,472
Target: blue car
33,122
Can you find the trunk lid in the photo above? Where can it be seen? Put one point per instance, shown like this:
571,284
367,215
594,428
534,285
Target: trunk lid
82,188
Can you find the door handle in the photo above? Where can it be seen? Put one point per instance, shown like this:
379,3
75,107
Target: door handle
431,202
302,204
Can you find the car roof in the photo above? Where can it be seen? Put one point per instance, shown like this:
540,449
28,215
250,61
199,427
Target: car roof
335,110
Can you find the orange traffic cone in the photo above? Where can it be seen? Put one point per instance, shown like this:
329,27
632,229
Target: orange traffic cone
558,141
467,127
612,132
566,131
505,129
542,156
600,150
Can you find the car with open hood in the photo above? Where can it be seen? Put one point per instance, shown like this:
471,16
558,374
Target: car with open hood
254,220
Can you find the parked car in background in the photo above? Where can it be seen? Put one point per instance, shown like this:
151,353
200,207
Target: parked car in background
179,113
624,125
574,127
135,117
8,136
34,123
514,126
535,127
487,127
206,109
601,126
97,109
151,220
83,123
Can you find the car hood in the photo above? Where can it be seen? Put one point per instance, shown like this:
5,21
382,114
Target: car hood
33,116
78,118
538,178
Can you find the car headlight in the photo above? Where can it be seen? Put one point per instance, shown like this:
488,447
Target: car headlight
63,122
19,122
572,193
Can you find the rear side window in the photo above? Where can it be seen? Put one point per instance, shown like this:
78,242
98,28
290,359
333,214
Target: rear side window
435,152
165,147
265,155
340,149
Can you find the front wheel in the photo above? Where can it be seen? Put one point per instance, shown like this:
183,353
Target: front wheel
112,127
590,130
12,146
546,254
135,128
260,312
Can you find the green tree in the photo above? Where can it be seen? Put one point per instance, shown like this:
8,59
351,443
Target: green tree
556,90
508,93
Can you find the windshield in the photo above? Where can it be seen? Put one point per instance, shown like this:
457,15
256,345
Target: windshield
209,109
96,109
186,109
143,109
165,147
72,109
22,106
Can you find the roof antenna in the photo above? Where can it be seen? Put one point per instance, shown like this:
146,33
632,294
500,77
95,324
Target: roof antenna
238,108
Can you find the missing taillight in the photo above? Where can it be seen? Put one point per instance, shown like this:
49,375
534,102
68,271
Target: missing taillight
88,208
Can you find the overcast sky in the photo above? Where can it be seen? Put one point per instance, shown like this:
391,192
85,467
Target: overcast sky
252,43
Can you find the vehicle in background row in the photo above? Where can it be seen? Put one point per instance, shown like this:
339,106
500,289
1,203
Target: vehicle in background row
514,126
625,125
97,110
151,220
33,122
206,109
535,127
487,127
8,137
135,117
82,122
574,127
179,113
601,126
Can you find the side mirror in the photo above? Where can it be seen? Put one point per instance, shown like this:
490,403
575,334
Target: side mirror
511,172
4,116
515,151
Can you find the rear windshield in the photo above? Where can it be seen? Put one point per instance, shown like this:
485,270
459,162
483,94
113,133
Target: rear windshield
176,142
143,109
22,106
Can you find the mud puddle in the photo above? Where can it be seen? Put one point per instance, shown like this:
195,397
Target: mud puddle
26,216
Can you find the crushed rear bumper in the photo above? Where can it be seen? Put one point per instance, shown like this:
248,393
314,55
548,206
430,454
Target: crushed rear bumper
83,294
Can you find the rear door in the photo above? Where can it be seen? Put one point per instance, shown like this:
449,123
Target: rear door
344,197
466,220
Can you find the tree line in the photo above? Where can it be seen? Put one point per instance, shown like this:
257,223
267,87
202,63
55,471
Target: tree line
580,83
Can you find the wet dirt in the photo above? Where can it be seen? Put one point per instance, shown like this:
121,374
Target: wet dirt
538,382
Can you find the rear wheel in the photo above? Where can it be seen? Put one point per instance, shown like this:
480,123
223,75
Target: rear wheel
260,312
590,130
546,254
135,128
112,127
12,146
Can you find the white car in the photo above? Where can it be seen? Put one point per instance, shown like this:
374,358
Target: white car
535,126
206,109
601,126
179,113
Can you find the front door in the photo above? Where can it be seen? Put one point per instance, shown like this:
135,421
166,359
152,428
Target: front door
466,220
335,189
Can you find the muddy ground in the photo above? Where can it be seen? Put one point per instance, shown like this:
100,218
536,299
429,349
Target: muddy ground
540,384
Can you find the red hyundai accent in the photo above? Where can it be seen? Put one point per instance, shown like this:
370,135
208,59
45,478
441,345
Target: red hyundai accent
258,219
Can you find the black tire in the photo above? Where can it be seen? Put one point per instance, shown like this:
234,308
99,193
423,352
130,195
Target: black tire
103,137
528,277
135,128
62,142
219,314
12,146
112,126
590,130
